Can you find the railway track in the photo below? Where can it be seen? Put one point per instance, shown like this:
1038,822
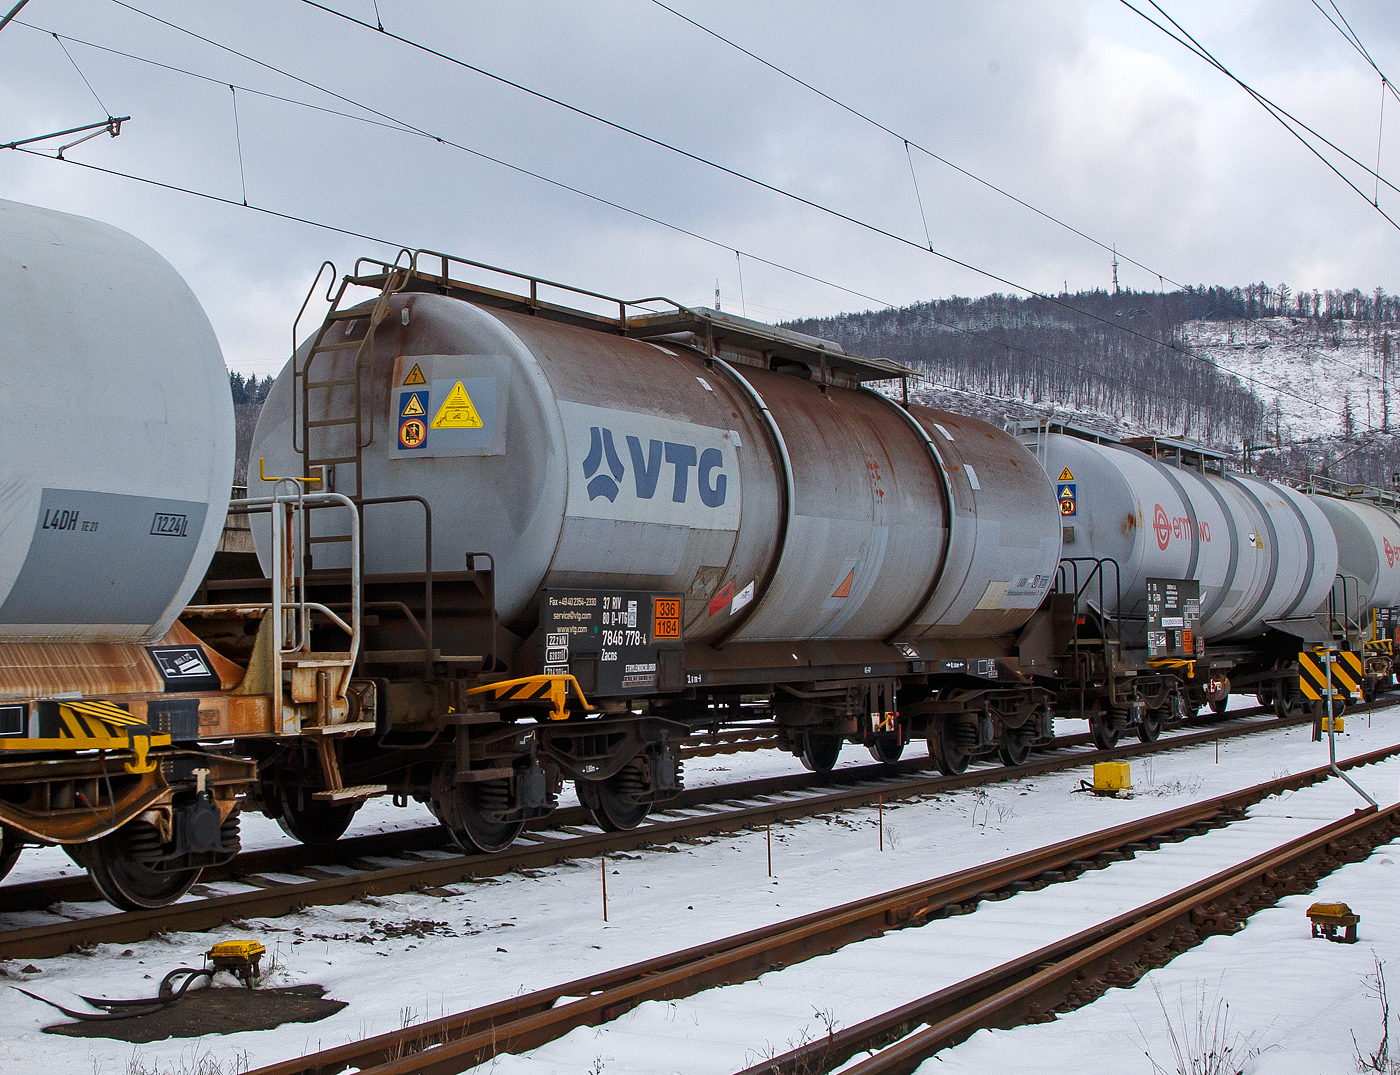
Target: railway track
1077,970
1024,990
296,858
419,862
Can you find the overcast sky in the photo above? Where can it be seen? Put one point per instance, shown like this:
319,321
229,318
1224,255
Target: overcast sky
1079,108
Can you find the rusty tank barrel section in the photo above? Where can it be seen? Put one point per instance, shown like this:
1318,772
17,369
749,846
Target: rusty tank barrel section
783,508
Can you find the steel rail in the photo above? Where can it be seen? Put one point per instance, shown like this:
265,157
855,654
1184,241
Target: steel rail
50,939
37,895
454,1043
1077,970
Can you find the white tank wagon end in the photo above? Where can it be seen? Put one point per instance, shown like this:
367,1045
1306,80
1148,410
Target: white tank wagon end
116,459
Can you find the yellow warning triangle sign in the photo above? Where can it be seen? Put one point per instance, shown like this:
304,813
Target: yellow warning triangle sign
1066,476
415,376
412,407
458,411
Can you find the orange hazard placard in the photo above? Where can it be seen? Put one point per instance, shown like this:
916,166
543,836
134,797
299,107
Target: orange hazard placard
666,621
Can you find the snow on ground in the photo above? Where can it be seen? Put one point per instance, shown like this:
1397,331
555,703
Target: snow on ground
418,956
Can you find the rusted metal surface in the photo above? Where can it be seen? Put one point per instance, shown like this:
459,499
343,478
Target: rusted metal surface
54,939
455,1043
93,669
737,740
79,798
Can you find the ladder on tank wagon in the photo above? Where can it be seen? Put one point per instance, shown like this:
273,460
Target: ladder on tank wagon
314,387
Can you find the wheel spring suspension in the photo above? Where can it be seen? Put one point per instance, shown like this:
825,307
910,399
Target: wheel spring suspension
493,798
228,833
631,782
143,841
965,735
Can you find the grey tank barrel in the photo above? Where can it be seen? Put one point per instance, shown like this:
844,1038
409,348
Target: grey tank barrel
782,508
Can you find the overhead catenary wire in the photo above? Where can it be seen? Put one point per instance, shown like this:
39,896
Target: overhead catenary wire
1345,29
393,124
988,184
398,245
82,76
835,213
1291,123
238,138
917,196
396,124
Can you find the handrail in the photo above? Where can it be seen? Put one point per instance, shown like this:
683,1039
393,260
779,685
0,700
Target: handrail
427,565
290,608
534,281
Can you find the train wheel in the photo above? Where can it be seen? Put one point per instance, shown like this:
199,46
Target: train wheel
1105,731
952,756
886,751
820,752
311,822
1264,697
115,863
1150,724
11,844
473,813
613,802
1282,701
1218,708
1015,747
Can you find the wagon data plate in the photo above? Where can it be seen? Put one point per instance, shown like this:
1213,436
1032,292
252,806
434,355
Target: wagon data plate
616,642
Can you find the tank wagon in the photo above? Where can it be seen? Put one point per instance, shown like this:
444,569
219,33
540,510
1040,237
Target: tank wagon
1182,582
116,457
586,535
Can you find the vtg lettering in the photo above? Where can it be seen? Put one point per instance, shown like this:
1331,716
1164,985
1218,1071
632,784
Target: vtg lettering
604,469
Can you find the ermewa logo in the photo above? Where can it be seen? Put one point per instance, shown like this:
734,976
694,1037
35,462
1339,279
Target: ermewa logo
604,468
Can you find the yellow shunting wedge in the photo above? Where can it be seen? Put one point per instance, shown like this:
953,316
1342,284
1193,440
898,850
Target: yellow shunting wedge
1111,777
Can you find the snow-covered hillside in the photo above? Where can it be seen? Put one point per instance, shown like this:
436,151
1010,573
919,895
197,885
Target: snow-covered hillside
1316,378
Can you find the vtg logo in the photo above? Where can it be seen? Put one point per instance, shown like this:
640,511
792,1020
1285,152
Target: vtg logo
710,480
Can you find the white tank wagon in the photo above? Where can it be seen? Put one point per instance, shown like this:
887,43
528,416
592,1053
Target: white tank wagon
1264,554
1368,550
116,459
116,433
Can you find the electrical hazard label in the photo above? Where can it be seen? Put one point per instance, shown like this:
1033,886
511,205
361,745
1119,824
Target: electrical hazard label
415,376
457,411
1065,475
413,405
1066,495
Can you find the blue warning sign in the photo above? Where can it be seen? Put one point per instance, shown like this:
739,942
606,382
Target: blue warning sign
413,420
1066,494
